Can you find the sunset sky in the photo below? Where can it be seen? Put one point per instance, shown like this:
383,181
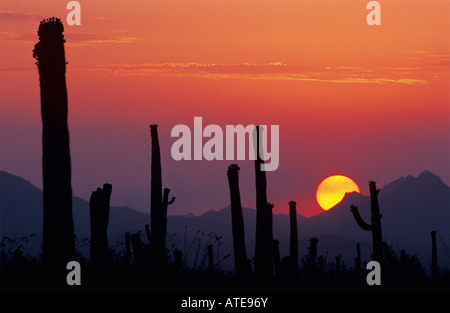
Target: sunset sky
367,102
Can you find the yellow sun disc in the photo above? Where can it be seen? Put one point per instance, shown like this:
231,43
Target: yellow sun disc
332,190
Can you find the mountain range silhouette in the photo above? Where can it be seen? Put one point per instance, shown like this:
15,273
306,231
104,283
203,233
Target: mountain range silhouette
411,208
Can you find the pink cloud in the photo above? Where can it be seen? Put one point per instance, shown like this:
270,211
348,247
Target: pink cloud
268,71
12,15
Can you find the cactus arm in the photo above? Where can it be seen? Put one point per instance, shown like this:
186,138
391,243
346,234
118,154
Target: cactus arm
166,201
359,219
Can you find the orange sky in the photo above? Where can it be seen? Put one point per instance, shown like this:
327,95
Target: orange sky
368,102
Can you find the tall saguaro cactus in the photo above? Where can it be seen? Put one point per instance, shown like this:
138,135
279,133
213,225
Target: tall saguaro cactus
276,257
138,252
264,227
375,227
58,232
241,264
99,212
128,251
311,268
159,204
433,257
358,260
313,250
293,243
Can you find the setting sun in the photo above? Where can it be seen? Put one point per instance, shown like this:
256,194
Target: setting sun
333,189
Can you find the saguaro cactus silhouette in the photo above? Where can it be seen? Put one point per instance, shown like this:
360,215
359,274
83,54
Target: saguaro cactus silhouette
276,257
147,232
293,243
210,260
127,251
433,257
375,227
338,267
241,264
358,260
311,269
99,211
178,261
58,232
138,253
313,251
159,204
264,227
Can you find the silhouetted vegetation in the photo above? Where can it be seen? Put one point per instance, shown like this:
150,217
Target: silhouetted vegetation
58,231
159,204
241,263
264,232
433,257
153,261
375,227
293,243
202,272
99,213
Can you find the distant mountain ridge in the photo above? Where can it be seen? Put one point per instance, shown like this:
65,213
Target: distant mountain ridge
411,208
